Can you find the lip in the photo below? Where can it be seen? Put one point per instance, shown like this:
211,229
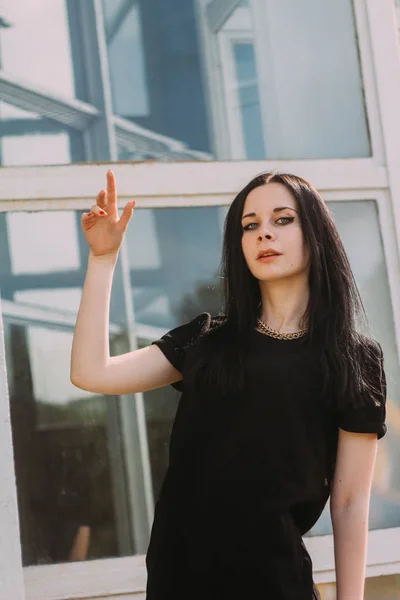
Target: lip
266,258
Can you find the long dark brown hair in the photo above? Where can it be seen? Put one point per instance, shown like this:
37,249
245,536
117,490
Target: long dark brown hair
335,314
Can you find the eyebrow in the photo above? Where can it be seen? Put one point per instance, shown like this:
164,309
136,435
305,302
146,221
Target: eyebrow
278,209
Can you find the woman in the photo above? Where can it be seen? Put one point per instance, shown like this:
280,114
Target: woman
283,401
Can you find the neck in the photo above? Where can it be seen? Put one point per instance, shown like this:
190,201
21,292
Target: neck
283,304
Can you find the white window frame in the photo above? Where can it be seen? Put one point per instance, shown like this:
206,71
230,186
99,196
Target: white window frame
211,184
188,185
240,30
227,41
11,574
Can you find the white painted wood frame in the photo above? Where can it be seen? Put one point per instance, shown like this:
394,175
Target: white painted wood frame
197,184
11,575
382,24
227,41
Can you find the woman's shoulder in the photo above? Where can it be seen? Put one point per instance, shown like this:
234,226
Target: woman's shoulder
205,321
203,324
217,320
369,348
194,328
191,329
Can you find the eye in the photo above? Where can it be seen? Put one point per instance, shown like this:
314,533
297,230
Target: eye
250,226
286,219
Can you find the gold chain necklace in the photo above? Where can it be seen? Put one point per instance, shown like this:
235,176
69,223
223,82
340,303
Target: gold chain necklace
277,334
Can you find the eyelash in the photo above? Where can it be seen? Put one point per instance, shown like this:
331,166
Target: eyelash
288,219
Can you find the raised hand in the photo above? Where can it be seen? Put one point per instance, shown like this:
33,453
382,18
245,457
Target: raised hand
104,229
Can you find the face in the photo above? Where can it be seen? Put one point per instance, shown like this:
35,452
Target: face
270,221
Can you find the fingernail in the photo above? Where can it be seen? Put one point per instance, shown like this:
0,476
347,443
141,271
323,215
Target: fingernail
90,214
102,212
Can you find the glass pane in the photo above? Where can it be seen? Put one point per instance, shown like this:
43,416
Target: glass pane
26,32
249,100
129,153
61,451
29,139
72,464
301,67
304,99
170,287
155,68
360,232
128,78
313,90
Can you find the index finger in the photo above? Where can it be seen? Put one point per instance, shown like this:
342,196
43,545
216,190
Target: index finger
111,193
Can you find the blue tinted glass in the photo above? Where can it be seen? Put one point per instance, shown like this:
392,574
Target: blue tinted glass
314,92
36,45
128,78
360,231
312,87
175,279
156,70
245,62
27,138
249,100
71,470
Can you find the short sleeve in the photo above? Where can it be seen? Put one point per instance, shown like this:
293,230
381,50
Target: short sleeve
370,415
176,342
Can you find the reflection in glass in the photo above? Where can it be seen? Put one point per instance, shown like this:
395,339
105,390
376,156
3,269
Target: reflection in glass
64,453
28,34
174,257
278,79
240,78
275,75
309,76
360,232
170,286
74,474
28,139
249,100
128,78
44,230
314,89
72,467
155,68
173,278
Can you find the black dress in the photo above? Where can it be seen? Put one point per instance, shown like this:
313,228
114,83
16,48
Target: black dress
248,478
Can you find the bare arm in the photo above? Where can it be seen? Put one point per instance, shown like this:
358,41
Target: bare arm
80,546
92,368
350,509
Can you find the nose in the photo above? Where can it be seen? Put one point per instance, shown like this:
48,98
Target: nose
265,233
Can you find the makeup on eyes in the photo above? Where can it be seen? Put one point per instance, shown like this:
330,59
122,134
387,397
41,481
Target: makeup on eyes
249,227
275,210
